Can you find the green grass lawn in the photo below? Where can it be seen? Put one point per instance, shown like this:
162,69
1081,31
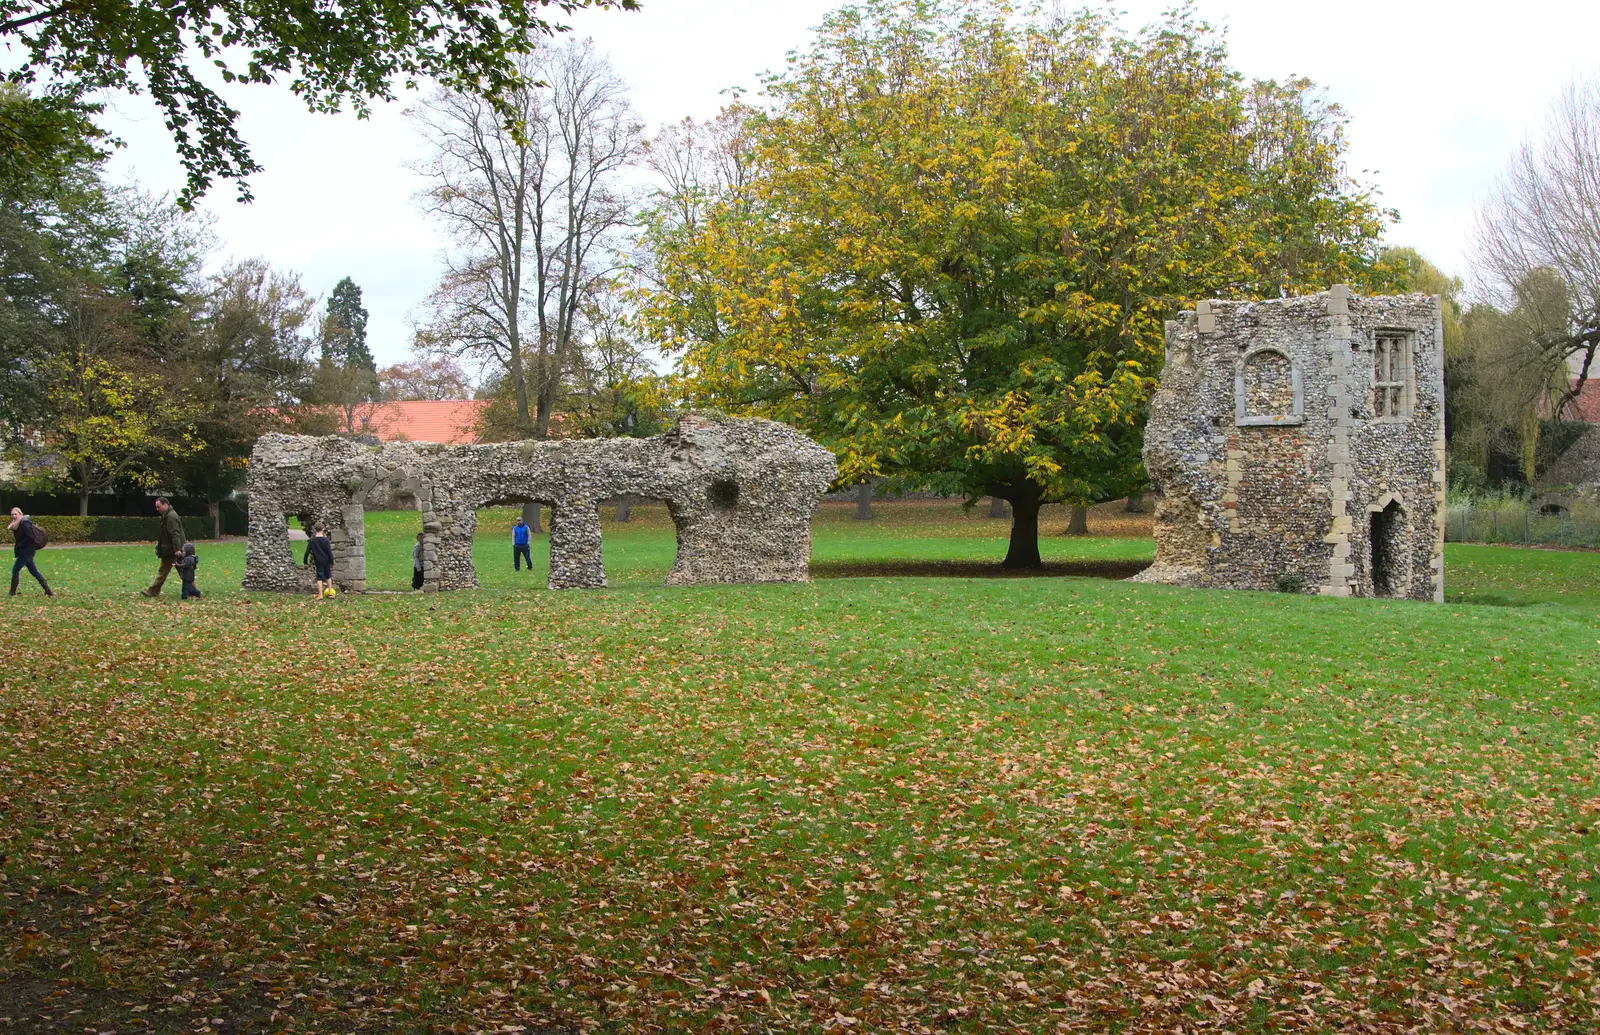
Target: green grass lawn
871,803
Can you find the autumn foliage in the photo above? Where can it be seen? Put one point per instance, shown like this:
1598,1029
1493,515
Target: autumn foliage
960,235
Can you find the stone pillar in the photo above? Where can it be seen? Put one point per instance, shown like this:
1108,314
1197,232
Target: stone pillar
1341,395
1436,354
451,526
268,561
430,548
350,550
575,561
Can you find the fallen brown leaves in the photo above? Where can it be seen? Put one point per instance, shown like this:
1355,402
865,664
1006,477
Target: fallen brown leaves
850,807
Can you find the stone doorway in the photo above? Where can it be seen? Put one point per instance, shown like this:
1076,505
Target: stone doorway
1385,538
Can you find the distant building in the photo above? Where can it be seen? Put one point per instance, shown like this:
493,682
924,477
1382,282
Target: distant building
453,422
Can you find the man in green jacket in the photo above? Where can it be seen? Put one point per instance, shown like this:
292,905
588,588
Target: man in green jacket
169,543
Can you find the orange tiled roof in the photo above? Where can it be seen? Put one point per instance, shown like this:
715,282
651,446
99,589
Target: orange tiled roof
1586,407
451,421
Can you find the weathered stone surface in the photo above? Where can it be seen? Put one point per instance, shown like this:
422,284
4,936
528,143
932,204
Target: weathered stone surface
1573,478
1298,444
740,492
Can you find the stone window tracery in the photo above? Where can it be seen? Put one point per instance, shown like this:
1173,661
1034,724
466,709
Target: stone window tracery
1391,375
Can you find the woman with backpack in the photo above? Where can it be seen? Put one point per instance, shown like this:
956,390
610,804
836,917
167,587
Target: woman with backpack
29,537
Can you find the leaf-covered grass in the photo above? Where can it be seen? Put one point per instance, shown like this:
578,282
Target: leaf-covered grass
875,804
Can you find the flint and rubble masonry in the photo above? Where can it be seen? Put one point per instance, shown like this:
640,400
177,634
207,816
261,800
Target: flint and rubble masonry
1298,445
740,491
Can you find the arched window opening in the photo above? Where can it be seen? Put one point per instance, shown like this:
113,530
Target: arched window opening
1267,390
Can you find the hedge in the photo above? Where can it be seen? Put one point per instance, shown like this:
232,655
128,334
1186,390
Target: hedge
113,529
140,506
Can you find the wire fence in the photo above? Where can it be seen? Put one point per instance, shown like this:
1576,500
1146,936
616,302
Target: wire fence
1519,524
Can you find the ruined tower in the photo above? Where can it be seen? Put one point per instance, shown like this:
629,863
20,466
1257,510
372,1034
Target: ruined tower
1297,444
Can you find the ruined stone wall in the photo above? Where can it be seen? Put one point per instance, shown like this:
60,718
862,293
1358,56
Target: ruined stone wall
1574,477
740,493
1298,444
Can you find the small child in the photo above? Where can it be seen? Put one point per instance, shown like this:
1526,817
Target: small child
416,563
322,557
187,562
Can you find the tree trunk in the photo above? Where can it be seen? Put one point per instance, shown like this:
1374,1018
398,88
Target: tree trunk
997,507
1079,523
864,501
1135,504
214,508
624,505
83,502
530,516
1023,551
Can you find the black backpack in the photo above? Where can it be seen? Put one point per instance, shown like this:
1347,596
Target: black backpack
40,537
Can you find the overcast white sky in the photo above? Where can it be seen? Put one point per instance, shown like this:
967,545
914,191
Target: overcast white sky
1439,94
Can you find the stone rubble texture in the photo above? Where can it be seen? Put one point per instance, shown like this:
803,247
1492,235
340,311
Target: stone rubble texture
1574,477
1272,468
740,491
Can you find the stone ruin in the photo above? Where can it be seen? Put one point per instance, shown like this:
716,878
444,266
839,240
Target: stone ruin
740,492
1573,479
1297,445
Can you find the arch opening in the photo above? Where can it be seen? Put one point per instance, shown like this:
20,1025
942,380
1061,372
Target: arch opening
497,557
641,542
394,544
1384,534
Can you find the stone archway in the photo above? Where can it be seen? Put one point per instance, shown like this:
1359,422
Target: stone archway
1388,567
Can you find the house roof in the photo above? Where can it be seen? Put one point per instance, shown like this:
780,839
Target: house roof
1586,407
451,421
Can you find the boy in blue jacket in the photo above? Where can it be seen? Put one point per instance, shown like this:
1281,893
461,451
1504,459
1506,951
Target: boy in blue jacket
519,545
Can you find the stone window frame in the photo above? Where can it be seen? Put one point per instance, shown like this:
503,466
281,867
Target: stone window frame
1402,391
1241,405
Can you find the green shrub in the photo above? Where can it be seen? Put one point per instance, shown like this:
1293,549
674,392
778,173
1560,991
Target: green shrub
71,529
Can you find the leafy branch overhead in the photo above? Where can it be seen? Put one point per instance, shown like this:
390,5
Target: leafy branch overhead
352,53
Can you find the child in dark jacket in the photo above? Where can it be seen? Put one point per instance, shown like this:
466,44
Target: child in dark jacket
188,561
322,557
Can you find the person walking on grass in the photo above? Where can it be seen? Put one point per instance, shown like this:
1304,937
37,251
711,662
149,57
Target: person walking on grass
322,557
169,543
27,544
416,563
519,545
188,561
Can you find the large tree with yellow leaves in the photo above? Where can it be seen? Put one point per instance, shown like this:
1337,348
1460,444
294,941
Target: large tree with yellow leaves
955,238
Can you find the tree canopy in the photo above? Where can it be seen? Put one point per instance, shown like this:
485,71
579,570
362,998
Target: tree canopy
344,333
352,52
957,238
